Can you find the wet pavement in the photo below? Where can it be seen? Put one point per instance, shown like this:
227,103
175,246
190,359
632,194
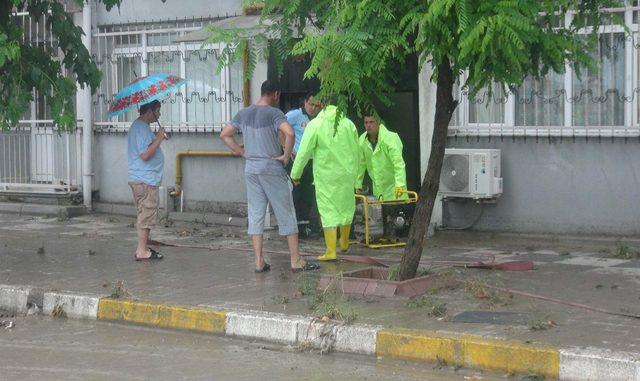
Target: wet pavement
91,253
41,348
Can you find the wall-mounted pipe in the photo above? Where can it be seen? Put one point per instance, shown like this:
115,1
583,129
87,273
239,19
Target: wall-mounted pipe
178,190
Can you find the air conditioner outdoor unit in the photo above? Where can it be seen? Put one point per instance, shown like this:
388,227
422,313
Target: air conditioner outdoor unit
471,173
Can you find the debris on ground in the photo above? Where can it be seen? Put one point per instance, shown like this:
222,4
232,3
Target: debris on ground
541,325
33,309
533,377
41,249
281,299
328,304
491,296
59,312
435,309
394,273
92,252
119,290
7,324
624,251
4,314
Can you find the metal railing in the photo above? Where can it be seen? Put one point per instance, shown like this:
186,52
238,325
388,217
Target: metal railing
124,52
36,157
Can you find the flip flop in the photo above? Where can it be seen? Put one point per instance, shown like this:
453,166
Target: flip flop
264,268
155,255
308,266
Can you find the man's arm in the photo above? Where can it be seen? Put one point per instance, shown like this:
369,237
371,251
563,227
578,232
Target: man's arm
399,170
362,166
286,130
153,147
307,146
227,136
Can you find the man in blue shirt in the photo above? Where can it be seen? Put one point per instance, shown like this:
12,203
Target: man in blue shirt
304,194
298,118
146,164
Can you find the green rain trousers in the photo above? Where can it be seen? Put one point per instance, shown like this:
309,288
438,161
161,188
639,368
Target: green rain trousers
384,164
335,165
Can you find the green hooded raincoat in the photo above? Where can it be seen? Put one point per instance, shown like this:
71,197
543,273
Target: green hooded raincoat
384,164
335,165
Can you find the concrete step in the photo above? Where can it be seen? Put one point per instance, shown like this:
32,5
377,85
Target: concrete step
198,217
60,211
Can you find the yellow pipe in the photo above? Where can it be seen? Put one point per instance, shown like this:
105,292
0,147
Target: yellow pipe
178,189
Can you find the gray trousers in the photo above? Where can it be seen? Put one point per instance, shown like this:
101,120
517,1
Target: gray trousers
274,190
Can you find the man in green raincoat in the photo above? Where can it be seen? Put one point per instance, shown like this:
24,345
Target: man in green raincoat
336,155
381,156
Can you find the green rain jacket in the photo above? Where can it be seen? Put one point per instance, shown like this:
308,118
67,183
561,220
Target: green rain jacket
335,165
384,164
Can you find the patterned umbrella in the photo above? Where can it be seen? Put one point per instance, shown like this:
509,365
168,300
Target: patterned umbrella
144,90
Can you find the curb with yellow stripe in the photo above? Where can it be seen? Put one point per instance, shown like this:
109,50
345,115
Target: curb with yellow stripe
470,351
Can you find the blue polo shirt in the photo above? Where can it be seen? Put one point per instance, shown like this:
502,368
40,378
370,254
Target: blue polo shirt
148,172
298,119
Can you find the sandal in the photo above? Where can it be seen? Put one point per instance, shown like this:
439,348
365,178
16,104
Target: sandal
155,255
308,266
264,268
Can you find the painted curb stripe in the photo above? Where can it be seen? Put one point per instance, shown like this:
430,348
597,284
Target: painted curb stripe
14,298
161,315
592,364
75,306
470,351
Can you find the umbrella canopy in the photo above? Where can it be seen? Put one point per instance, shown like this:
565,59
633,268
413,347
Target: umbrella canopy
144,90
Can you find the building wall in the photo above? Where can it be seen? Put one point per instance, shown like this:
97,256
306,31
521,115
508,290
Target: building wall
131,11
558,186
209,183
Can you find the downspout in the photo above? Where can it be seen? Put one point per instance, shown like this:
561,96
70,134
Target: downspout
246,82
87,117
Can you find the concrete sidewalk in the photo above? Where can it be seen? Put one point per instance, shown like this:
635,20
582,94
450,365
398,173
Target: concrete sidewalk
90,254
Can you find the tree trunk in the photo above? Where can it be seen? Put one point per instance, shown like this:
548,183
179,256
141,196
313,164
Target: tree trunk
445,105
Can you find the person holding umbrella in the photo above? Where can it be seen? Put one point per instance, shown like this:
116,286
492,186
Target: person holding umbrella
146,165
145,158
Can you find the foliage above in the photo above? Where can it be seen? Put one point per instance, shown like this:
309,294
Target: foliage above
358,47
25,67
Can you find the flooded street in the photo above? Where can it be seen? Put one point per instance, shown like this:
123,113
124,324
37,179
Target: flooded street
40,348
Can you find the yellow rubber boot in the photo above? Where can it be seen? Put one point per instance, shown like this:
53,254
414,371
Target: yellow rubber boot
330,239
344,237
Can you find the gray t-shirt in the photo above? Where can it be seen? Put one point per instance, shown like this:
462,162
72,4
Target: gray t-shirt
259,126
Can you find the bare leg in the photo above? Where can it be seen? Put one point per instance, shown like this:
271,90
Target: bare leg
257,250
296,261
141,250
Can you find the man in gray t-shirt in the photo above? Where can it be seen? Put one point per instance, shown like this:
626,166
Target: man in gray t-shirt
266,179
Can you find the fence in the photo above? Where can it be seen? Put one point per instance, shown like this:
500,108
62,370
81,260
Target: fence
36,157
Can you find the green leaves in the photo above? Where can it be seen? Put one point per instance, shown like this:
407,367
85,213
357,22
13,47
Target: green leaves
24,68
9,50
360,46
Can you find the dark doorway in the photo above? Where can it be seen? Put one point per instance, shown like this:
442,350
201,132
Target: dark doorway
402,117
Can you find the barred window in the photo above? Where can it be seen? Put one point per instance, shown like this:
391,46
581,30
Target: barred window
540,102
598,97
487,108
206,101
